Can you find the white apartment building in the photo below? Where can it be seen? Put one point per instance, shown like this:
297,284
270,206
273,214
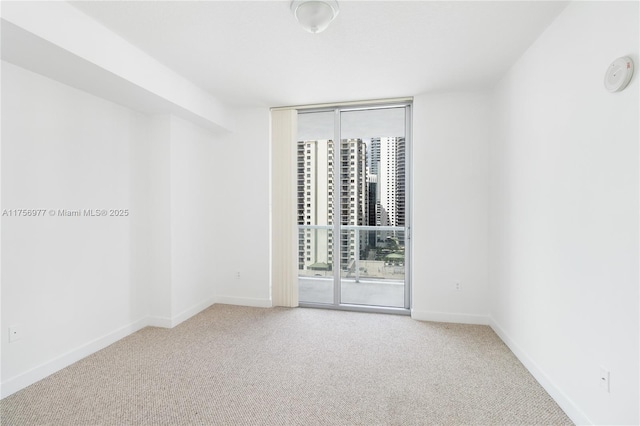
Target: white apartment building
319,170
386,171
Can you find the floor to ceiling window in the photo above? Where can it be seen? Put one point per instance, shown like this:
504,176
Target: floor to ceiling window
352,203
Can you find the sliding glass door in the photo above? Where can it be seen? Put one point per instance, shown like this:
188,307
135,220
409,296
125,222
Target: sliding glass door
353,220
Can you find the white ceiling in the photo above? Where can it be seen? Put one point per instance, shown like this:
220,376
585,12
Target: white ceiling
254,53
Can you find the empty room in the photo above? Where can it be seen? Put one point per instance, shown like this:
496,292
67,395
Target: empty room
320,212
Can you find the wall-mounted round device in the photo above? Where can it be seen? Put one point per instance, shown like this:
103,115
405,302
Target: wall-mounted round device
618,74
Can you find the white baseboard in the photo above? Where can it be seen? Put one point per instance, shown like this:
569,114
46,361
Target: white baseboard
570,408
188,313
170,322
244,301
29,377
450,317
162,322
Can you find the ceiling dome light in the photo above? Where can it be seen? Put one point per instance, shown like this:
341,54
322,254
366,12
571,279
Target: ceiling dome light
315,15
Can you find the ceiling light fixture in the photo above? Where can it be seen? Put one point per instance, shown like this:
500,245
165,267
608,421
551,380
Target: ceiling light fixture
315,15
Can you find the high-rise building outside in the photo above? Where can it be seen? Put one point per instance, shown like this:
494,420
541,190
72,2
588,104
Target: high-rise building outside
315,203
387,176
400,182
320,167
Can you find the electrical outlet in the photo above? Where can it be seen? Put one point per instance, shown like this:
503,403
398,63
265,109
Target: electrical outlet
457,286
605,379
15,333
238,275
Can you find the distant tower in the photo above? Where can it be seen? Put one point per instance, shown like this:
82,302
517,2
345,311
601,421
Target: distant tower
387,177
400,182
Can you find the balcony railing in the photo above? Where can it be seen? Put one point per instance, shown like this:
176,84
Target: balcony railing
368,252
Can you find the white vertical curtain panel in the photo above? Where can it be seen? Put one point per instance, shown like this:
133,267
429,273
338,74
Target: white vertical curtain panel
284,229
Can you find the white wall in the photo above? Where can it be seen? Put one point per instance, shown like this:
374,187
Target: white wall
65,280
77,284
174,218
450,206
151,218
564,213
196,216
198,204
242,236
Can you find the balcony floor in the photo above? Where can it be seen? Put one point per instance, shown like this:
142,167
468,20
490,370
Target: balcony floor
388,293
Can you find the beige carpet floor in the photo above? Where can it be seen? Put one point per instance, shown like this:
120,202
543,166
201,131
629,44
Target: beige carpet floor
233,365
